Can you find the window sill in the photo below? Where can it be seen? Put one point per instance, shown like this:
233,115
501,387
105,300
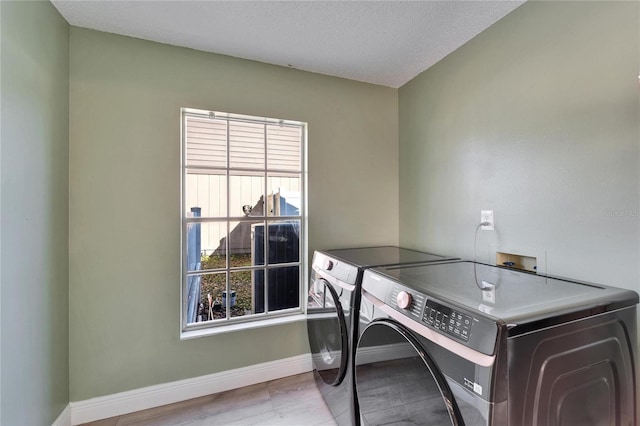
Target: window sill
212,331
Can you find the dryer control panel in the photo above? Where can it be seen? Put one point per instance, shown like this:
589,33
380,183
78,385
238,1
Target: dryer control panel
474,331
328,266
447,320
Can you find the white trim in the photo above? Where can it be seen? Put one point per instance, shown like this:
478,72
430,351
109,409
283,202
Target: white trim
248,325
64,419
167,393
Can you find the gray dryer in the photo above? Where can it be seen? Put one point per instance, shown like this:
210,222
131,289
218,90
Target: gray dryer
468,343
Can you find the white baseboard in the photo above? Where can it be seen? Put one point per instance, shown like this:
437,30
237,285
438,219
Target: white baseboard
64,419
167,393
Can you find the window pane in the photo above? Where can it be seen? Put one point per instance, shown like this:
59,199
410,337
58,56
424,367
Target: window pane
242,176
207,191
206,245
194,307
246,244
245,195
284,288
211,288
284,244
206,142
284,195
242,293
283,148
246,145
193,246
215,260
257,279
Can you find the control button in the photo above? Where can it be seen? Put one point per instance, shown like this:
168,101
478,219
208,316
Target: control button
403,300
328,265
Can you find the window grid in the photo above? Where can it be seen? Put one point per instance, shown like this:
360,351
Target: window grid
266,219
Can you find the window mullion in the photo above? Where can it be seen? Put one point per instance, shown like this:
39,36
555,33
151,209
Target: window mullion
266,226
183,214
227,300
302,248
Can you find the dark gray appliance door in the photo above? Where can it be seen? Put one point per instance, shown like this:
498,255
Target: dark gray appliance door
328,333
397,381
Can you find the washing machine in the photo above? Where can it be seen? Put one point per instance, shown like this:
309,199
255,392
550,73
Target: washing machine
332,317
463,343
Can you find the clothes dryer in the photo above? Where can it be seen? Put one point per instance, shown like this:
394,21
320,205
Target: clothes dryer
466,343
333,315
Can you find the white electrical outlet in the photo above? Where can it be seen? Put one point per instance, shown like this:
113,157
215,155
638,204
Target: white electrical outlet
489,294
486,216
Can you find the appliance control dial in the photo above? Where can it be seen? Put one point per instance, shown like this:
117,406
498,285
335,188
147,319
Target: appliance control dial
404,300
328,265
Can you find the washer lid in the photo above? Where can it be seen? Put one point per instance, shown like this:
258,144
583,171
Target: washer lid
511,296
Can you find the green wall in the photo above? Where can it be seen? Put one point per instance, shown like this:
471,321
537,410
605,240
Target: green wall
536,118
125,99
34,306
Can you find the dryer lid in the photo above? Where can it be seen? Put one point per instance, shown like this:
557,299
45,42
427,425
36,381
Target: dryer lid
511,296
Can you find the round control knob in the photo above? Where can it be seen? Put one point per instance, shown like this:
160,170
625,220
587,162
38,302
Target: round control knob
404,300
328,265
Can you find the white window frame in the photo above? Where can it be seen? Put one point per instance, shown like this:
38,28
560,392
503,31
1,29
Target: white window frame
197,329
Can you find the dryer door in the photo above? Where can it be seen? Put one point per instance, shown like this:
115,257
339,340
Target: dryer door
397,381
328,333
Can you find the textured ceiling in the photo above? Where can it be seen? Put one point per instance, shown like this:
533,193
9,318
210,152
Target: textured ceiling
380,42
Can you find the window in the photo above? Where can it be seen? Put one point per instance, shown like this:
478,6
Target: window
243,218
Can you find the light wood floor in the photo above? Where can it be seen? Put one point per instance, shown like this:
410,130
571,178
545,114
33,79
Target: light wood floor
293,400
